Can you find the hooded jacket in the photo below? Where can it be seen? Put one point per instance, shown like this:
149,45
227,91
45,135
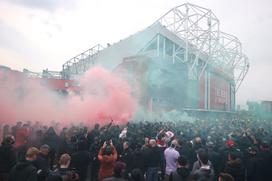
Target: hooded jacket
235,168
23,171
204,173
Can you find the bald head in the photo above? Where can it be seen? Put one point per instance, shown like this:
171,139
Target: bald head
152,142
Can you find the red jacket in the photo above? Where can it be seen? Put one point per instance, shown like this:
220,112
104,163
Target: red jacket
107,163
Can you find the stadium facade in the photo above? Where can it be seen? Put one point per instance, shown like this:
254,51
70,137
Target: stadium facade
183,61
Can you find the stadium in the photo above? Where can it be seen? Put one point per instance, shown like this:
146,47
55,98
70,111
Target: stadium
183,61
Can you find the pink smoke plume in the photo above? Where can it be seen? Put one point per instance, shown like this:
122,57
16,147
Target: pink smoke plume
104,97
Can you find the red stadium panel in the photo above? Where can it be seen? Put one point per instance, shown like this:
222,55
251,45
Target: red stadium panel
202,92
219,93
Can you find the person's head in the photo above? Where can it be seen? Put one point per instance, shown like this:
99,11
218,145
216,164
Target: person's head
182,161
8,140
233,155
146,140
31,154
174,143
264,146
225,177
19,124
230,144
64,160
125,145
119,169
25,125
198,140
96,126
152,143
107,150
44,149
202,156
252,151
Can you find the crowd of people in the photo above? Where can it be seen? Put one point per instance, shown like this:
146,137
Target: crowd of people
200,150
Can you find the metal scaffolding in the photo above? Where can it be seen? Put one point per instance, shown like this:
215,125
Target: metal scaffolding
199,28
81,63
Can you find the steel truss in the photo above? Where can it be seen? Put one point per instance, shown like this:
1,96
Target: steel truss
81,63
199,28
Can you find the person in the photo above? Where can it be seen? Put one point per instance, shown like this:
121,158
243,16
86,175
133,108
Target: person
94,150
52,140
265,158
81,160
253,165
203,169
225,177
15,128
7,157
171,156
42,162
21,138
153,161
63,173
25,170
234,166
126,157
182,173
6,131
107,156
214,157
119,169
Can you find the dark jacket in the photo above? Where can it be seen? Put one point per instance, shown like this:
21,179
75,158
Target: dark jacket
63,174
153,157
265,160
42,165
126,157
235,168
254,171
204,174
7,158
181,174
23,171
80,161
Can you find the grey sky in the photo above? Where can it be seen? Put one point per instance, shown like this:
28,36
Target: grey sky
44,34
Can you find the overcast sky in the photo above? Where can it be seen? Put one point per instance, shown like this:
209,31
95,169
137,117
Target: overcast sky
39,34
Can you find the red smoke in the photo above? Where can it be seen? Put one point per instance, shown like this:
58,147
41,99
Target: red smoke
104,96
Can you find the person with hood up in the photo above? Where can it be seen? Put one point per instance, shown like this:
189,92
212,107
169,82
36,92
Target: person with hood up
182,173
203,169
81,160
25,169
107,156
234,166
